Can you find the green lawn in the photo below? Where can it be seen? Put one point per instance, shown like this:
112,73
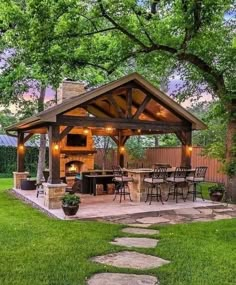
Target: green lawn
35,249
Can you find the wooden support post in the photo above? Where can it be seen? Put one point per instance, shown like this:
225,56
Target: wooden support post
186,149
54,155
20,153
120,152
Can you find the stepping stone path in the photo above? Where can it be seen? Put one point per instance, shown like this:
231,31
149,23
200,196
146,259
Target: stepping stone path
139,231
122,279
131,259
135,260
135,242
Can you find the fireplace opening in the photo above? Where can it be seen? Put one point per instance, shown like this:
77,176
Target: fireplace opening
73,167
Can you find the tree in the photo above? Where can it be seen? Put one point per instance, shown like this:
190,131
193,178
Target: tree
160,39
6,118
190,38
105,144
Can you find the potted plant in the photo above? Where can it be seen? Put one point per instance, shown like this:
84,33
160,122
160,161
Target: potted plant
70,204
216,192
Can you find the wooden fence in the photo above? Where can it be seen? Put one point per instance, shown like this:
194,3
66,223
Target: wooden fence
170,155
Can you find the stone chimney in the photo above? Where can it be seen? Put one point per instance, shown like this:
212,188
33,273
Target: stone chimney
68,89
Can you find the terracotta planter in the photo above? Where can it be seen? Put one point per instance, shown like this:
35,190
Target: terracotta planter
216,197
70,210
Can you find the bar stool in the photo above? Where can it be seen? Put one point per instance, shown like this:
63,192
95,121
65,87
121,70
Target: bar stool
121,183
176,183
199,176
154,184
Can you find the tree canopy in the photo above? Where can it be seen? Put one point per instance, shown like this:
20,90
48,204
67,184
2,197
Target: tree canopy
98,40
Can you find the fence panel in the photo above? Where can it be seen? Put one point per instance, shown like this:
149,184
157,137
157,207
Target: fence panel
172,156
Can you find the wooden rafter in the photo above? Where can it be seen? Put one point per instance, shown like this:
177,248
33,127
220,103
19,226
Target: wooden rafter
129,103
27,137
145,112
142,107
65,132
117,108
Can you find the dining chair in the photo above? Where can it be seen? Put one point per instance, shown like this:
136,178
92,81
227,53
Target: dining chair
193,181
154,182
121,183
177,183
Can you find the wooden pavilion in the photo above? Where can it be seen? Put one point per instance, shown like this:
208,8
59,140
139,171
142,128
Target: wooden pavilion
120,109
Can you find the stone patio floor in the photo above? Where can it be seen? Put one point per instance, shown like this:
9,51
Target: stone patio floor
102,207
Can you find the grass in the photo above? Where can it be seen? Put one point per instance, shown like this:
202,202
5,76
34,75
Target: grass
35,249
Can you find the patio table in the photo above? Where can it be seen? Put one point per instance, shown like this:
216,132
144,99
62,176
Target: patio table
98,179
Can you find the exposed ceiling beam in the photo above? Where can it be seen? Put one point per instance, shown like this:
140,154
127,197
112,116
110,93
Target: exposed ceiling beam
121,123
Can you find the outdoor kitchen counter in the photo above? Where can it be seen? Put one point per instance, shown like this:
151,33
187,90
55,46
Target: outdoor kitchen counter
137,187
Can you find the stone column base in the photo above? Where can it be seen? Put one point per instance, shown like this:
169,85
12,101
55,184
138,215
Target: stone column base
53,194
17,177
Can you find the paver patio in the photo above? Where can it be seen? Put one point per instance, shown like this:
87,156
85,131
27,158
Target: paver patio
102,207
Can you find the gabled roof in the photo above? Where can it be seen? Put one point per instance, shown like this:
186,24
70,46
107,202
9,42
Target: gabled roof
50,114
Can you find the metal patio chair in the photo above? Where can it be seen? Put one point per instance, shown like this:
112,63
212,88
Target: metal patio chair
121,183
177,183
154,182
199,176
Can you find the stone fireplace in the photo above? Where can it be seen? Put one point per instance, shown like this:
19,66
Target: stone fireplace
75,159
76,148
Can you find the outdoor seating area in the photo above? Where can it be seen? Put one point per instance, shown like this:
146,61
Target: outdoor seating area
102,206
156,187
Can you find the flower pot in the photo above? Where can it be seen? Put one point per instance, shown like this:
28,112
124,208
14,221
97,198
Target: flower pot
216,197
70,210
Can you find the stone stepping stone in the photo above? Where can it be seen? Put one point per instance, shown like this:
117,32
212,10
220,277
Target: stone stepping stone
206,211
153,220
140,225
131,259
135,242
223,210
187,211
222,217
139,231
122,279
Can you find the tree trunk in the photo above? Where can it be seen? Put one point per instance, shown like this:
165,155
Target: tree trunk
41,158
42,146
231,154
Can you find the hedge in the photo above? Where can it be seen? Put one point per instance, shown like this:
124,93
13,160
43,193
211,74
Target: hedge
8,160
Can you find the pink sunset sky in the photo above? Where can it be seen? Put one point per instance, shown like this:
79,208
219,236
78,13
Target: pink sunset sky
50,93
